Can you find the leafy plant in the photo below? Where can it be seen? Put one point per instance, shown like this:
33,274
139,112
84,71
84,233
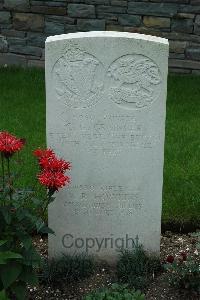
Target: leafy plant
184,273
18,256
116,292
135,267
70,268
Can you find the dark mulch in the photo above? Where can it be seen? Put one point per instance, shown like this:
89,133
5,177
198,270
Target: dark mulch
158,289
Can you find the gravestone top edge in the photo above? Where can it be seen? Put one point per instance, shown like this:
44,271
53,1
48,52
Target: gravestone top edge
111,34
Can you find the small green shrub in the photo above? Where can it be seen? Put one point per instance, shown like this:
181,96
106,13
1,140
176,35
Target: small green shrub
184,273
116,292
135,267
71,268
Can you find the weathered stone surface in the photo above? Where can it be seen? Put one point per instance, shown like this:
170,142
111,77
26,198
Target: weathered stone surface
103,9
156,22
13,41
189,9
12,59
26,21
28,50
179,71
36,63
112,27
3,44
185,25
193,53
185,16
5,17
195,2
153,9
70,28
177,55
129,20
177,46
187,64
105,113
54,27
81,11
49,10
36,39
13,33
90,24
17,5
122,3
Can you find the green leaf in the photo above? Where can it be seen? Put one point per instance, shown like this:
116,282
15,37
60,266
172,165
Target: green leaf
6,214
29,276
9,273
46,229
2,242
5,255
31,257
3,295
25,239
19,289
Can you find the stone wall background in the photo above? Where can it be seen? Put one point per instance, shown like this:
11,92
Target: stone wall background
25,24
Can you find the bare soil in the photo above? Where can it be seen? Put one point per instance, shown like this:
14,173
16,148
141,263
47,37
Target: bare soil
171,244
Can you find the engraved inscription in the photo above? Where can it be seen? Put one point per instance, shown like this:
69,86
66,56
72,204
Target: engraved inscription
135,81
103,200
78,78
109,135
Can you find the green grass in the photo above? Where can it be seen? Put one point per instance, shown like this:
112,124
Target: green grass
22,112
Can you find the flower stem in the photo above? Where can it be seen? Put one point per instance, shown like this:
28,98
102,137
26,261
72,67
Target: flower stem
3,170
9,177
49,195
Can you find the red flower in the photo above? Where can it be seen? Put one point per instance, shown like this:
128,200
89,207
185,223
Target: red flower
9,144
47,153
53,180
53,164
170,259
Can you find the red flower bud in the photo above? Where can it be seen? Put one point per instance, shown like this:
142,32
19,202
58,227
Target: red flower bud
170,259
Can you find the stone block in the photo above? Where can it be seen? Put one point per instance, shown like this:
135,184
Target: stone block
54,28
13,33
177,46
185,64
12,59
156,22
182,25
103,9
5,17
90,24
36,39
129,20
70,28
81,11
27,50
27,21
153,9
49,10
193,53
36,63
17,5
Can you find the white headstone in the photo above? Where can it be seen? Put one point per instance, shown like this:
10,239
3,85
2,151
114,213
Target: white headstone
106,100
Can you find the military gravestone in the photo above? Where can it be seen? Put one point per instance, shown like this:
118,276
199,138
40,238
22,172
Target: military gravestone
106,99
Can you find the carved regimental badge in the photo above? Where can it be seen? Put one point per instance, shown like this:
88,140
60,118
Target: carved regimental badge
78,78
135,81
